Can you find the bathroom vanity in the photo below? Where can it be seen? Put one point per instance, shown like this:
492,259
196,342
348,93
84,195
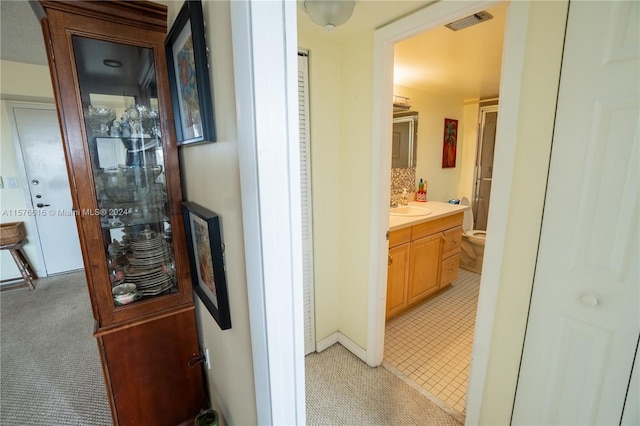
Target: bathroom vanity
424,254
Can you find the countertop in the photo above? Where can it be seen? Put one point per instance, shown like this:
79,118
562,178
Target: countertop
438,210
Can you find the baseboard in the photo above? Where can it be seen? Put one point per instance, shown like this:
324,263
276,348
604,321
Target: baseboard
349,344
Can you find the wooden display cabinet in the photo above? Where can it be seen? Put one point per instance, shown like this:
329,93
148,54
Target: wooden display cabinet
110,80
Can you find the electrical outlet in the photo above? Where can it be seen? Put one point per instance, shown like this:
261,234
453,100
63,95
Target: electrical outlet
205,351
12,182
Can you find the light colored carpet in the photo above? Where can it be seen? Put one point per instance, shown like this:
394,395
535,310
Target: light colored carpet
50,371
343,390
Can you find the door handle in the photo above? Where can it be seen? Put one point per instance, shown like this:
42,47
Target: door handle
40,205
195,360
589,300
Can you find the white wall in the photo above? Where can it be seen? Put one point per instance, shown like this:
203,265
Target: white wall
432,110
356,100
340,78
18,82
525,149
341,81
531,69
211,178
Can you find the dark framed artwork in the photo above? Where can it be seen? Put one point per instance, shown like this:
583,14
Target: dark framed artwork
186,52
450,143
204,243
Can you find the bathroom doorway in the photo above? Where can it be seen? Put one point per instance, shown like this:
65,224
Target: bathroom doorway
488,121
429,346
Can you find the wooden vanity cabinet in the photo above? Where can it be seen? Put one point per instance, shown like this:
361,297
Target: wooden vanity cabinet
110,79
398,271
423,259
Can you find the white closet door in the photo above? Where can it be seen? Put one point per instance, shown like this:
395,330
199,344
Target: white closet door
584,315
307,221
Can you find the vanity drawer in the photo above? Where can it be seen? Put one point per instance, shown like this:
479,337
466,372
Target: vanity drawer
401,236
449,270
452,240
437,225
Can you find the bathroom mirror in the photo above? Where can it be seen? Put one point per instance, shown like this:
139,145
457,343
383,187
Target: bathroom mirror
404,140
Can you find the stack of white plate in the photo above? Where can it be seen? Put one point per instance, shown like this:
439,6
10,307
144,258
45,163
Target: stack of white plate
150,266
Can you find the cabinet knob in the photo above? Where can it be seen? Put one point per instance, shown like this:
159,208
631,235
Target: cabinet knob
390,260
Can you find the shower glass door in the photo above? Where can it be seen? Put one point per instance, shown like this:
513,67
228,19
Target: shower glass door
484,165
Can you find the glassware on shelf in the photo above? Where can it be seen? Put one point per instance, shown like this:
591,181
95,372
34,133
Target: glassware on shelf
127,162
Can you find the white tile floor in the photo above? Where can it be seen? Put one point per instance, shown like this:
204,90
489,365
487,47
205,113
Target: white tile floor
431,343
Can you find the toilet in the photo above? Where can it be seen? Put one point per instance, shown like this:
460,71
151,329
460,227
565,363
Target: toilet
472,247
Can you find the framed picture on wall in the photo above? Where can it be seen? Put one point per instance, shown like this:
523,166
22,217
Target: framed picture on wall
186,52
206,251
450,143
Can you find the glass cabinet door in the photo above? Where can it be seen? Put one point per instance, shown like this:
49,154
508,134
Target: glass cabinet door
120,104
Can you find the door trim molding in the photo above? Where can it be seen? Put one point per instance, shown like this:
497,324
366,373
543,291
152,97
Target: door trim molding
265,71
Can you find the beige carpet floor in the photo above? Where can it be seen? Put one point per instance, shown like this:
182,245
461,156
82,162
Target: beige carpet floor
343,390
50,370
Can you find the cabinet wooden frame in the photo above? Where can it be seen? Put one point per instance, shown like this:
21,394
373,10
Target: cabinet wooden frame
61,26
149,348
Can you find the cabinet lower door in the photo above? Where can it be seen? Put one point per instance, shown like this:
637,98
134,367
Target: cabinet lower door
397,278
425,265
147,370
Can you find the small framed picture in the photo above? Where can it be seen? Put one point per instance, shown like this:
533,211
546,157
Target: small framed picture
186,52
206,258
450,143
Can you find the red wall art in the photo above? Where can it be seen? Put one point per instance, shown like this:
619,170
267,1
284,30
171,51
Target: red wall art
450,143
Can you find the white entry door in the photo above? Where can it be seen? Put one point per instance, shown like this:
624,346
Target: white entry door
38,131
584,317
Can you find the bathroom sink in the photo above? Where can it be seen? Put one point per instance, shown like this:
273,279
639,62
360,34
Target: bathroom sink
409,211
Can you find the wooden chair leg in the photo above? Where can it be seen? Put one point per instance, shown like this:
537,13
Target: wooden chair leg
24,266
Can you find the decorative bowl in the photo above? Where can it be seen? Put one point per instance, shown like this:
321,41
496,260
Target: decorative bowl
124,293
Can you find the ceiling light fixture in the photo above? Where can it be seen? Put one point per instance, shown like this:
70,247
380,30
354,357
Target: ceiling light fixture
329,14
112,63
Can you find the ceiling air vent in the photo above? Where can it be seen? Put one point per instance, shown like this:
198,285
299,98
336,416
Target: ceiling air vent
476,18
